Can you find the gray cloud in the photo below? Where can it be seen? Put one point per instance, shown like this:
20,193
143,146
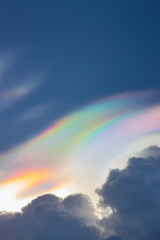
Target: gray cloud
49,217
133,194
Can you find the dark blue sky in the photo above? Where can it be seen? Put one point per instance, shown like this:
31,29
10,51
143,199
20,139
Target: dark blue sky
85,49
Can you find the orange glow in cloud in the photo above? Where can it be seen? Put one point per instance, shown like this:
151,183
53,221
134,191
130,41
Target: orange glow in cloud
33,182
21,187
31,176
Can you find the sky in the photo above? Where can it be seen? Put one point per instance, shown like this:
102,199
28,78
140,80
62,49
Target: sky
79,96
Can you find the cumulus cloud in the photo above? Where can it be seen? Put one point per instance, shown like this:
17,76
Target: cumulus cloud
49,217
133,194
153,151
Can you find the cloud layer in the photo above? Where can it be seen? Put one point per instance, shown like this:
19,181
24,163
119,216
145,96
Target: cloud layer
132,193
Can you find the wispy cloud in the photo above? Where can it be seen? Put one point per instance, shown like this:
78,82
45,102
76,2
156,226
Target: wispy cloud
14,89
12,95
33,113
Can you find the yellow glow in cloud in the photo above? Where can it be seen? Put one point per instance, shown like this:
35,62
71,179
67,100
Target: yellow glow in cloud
20,188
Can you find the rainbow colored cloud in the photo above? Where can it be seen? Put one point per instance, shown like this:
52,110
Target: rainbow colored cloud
75,152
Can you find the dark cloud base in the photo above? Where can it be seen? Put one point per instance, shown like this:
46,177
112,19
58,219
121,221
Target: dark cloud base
133,194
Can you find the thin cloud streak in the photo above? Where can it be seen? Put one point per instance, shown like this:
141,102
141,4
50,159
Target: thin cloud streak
13,90
33,113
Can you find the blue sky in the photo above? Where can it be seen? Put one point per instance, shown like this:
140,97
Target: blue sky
79,102
78,51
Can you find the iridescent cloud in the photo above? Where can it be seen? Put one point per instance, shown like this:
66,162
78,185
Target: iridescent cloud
77,150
